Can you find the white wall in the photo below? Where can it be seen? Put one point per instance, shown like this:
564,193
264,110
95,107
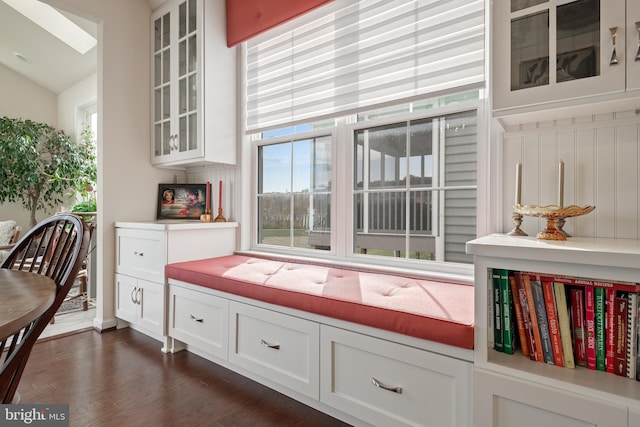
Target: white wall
72,100
601,155
22,98
127,181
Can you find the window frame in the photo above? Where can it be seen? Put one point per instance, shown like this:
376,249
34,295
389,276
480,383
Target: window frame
256,142
342,152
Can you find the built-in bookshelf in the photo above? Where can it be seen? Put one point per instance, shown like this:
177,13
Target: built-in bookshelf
518,382
565,321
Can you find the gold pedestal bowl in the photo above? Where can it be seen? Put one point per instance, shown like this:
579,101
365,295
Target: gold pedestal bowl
553,214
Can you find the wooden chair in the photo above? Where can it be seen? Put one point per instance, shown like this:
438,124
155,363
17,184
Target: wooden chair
56,248
83,274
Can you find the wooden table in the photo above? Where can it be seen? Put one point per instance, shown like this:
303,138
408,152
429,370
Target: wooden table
23,297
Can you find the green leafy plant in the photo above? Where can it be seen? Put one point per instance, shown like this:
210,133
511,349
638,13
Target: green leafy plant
39,165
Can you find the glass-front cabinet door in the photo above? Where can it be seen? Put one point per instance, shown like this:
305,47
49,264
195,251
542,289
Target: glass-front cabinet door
176,82
163,138
555,50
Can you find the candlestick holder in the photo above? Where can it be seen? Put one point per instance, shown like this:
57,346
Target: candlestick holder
553,213
206,216
220,218
517,222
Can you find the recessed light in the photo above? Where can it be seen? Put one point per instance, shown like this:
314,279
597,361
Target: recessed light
21,57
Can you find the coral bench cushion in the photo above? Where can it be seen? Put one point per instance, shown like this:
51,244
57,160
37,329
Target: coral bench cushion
431,310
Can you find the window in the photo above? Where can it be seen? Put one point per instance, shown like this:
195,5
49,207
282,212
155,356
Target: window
408,189
414,188
294,193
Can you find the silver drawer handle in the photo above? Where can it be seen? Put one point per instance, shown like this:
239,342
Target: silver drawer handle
386,387
273,346
136,253
197,319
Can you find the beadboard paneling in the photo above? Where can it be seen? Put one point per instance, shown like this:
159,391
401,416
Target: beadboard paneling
216,173
601,155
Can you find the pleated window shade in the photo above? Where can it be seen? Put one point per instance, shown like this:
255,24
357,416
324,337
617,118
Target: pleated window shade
351,55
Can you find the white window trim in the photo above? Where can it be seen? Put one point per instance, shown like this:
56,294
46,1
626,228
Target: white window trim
342,214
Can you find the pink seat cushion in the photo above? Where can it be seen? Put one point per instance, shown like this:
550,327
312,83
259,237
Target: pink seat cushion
434,311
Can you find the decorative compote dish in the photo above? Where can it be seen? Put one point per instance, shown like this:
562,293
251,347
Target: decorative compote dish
552,213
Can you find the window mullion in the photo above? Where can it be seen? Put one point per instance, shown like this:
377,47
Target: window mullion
407,214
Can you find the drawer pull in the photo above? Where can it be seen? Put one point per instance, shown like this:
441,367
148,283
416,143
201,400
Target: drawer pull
136,253
197,319
386,387
272,346
614,55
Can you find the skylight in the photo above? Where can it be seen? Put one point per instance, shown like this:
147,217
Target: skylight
56,23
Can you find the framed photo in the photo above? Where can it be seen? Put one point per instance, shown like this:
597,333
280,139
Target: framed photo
181,201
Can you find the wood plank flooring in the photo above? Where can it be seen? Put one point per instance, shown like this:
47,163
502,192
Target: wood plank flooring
121,378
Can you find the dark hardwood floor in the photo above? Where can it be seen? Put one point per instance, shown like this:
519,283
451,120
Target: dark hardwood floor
121,378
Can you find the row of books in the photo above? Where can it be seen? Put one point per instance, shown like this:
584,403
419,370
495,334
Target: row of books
567,321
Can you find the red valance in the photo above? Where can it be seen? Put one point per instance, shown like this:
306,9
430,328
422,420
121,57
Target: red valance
248,18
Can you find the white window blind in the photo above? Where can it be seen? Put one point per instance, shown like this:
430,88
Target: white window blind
350,55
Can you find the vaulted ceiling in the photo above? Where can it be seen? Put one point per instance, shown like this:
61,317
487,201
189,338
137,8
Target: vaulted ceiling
51,63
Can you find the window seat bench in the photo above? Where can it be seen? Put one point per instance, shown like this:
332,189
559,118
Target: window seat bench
430,310
365,347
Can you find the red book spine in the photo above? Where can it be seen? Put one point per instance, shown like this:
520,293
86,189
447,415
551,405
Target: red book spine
611,346
620,316
526,318
552,319
578,326
590,326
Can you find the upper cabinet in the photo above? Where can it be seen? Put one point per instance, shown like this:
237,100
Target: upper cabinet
550,51
193,85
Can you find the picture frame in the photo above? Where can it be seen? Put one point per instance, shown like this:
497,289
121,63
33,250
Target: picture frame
181,201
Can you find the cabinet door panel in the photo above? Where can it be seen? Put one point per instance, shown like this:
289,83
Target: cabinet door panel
633,45
501,401
126,308
151,306
531,66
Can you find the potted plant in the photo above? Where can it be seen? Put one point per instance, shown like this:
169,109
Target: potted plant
39,164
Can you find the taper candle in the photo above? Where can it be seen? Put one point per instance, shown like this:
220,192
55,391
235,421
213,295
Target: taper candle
208,198
518,183
220,196
561,184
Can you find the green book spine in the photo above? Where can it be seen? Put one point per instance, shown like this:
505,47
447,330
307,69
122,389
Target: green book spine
497,311
508,335
600,328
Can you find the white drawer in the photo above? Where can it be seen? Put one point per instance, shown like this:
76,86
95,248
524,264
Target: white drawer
414,387
141,253
281,348
200,320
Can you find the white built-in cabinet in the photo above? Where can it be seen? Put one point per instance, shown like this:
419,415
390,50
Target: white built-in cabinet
362,375
193,85
512,390
142,251
559,52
